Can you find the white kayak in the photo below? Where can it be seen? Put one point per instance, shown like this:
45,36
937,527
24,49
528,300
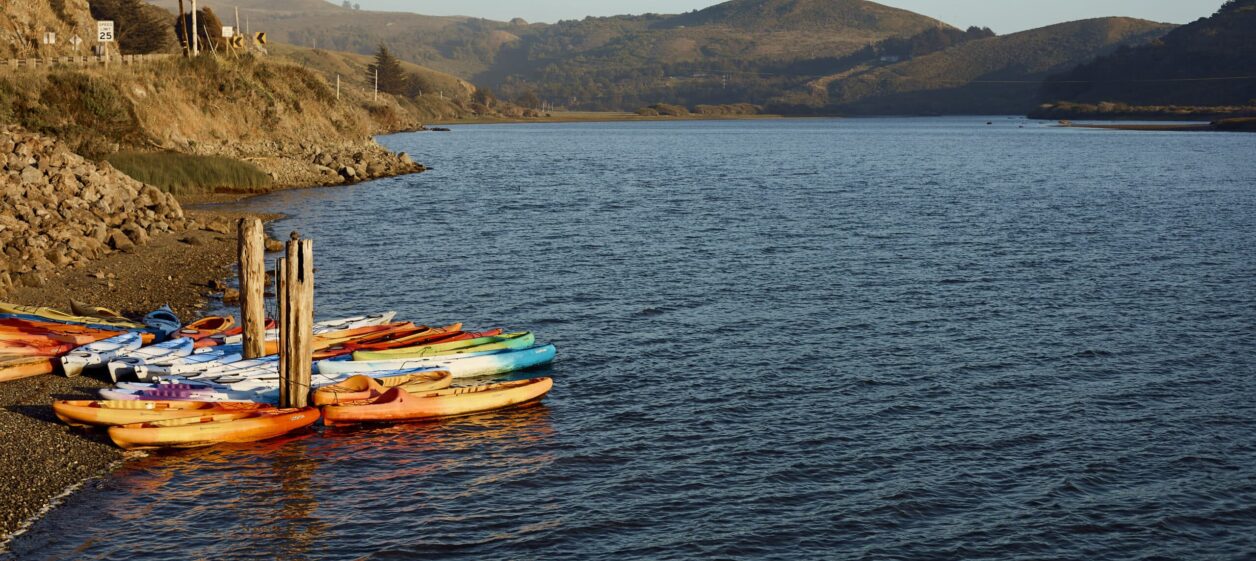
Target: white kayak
98,354
196,362
473,365
124,364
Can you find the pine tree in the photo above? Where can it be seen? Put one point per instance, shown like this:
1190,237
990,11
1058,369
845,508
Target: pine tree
392,78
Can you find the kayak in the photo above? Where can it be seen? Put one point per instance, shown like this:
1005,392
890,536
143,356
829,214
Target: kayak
162,321
397,404
86,310
362,388
99,353
244,426
205,327
111,413
213,394
470,365
22,330
510,341
50,314
178,366
320,328
124,364
235,333
399,338
18,367
34,347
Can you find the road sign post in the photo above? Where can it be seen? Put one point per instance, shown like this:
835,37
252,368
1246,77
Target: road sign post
104,36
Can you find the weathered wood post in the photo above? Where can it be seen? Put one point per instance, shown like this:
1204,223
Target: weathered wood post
296,322
252,249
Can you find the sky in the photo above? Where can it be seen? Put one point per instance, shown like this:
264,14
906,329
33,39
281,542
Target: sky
1004,16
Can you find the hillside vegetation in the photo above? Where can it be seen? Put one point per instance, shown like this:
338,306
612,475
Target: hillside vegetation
733,52
995,75
1176,69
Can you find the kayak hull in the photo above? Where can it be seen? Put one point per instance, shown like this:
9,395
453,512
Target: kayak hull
469,366
208,430
113,413
364,388
397,405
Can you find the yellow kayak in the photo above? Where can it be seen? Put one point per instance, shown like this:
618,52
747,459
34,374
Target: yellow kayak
509,341
58,315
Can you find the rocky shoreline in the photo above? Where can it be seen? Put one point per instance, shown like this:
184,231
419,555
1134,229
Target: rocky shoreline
85,231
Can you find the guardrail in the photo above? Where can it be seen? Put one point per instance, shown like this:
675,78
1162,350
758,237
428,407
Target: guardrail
50,62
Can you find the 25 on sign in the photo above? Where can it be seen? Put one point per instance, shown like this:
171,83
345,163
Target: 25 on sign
104,31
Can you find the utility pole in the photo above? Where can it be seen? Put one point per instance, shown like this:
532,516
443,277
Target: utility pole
183,32
237,14
196,45
337,87
377,82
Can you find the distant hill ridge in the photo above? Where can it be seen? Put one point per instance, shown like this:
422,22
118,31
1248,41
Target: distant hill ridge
993,76
1178,69
811,15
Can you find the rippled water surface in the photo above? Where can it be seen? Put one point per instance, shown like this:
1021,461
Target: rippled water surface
875,339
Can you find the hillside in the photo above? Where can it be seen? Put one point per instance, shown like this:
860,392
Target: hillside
1175,70
23,22
996,75
726,53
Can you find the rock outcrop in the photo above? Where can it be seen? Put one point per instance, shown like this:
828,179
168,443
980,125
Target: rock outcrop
60,210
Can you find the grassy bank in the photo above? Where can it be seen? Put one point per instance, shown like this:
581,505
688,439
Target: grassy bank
184,174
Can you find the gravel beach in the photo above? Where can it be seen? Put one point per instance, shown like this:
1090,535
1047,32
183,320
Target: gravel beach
41,458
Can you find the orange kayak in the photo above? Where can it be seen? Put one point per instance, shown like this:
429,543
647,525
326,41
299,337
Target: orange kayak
424,340
35,347
399,337
18,367
324,345
21,329
365,388
205,327
112,413
212,341
397,404
207,430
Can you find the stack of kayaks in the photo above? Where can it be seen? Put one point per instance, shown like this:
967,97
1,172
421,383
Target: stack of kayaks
195,388
34,339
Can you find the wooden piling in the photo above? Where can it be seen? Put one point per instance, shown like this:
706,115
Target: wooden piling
296,322
251,251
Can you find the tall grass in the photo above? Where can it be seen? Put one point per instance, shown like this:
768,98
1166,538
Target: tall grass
184,174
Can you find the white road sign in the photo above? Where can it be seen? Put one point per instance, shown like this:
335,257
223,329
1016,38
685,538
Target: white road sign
228,31
104,31
50,38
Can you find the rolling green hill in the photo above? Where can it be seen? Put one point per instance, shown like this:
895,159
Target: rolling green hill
1177,69
996,75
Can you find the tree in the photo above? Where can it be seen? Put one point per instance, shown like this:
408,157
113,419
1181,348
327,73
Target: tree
529,100
392,78
209,28
140,29
347,5
483,96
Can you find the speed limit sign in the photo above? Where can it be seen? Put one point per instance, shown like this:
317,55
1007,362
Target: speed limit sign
104,31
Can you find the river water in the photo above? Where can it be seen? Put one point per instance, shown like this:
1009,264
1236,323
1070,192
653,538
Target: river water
801,339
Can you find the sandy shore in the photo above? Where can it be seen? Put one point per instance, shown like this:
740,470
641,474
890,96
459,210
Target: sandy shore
42,459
